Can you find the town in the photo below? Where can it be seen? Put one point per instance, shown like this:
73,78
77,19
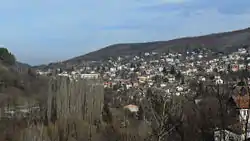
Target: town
171,72
127,80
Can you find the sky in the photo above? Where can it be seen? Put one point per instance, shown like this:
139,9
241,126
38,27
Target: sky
44,31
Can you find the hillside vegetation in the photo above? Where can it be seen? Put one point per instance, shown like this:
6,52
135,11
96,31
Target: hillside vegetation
17,80
6,57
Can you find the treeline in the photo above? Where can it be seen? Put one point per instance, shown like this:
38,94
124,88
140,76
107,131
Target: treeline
79,110
7,57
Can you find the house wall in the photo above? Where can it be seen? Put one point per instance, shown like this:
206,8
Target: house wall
243,115
89,76
229,136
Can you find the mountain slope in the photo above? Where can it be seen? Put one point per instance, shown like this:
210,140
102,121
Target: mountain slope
226,42
219,41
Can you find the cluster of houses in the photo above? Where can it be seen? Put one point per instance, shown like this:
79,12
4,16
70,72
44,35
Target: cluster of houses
170,72
160,70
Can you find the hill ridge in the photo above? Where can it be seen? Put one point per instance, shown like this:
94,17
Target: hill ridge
222,41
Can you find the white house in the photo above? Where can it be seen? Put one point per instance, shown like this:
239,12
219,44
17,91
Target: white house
200,56
112,69
171,79
242,50
146,54
219,81
242,103
90,76
179,89
202,78
229,135
163,85
242,66
160,69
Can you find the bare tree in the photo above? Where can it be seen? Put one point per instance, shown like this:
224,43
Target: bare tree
163,113
73,111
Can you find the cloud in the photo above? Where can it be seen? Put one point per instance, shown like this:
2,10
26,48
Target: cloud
223,6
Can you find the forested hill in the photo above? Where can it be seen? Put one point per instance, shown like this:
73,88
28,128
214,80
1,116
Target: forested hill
227,41
222,42
17,80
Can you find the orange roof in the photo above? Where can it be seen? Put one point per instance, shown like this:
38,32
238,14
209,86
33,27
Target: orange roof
132,108
242,102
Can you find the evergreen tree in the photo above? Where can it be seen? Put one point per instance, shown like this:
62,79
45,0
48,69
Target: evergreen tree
164,71
172,70
182,80
103,69
165,80
6,57
229,68
98,68
106,114
215,70
132,65
140,113
178,75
